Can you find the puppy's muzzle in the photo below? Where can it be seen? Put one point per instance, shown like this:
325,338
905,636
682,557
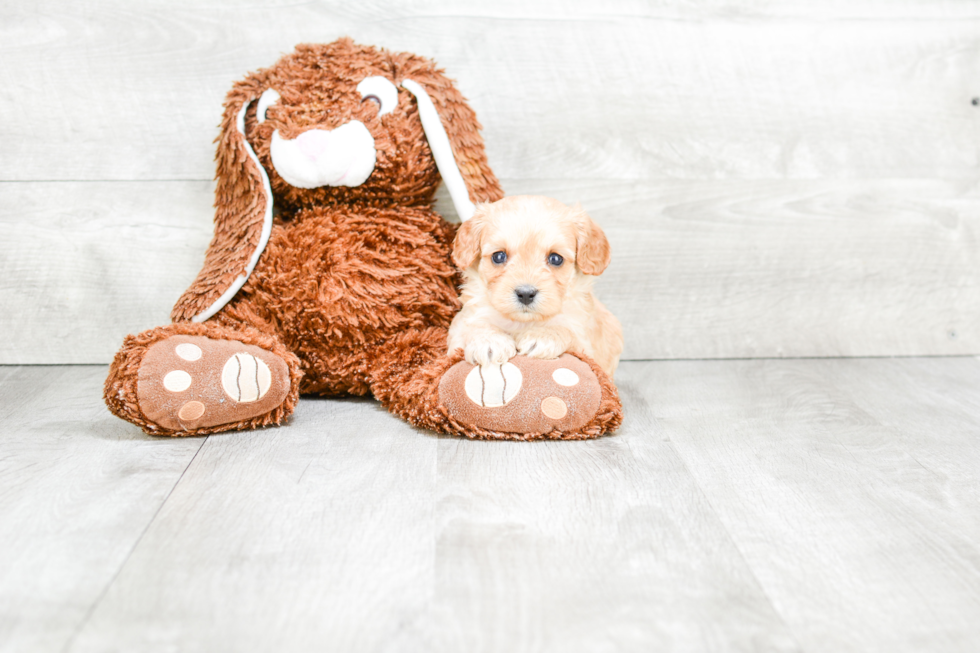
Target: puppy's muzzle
526,294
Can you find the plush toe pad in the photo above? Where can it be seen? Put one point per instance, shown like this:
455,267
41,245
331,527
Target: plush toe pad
190,382
525,395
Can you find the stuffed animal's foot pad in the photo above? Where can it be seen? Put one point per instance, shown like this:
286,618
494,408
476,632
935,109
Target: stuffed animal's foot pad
525,395
190,382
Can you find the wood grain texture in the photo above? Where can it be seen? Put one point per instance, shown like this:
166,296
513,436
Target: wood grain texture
777,178
77,489
316,536
84,264
108,90
849,487
801,505
595,546
349,531
708,269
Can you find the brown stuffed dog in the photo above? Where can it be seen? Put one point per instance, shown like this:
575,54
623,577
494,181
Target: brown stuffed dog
329,272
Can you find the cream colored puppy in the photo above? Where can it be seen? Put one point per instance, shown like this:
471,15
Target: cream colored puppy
528,265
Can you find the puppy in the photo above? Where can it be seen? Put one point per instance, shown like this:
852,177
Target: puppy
528,265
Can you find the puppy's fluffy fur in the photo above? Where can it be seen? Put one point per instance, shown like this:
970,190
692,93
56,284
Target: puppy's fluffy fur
528,301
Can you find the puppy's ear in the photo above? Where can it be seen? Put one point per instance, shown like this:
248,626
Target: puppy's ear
466,247
593,254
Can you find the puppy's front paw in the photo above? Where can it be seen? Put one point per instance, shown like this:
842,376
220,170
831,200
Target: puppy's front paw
541,344
494,349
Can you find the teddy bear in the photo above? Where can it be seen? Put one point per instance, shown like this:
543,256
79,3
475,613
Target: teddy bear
330,273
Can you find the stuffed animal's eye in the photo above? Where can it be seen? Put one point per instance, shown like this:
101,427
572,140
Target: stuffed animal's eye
379,90
555,259
269,97
499,257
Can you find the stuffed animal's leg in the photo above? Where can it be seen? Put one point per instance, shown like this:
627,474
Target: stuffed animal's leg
193,379
524,399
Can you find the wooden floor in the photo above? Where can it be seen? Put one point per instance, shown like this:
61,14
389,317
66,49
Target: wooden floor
756,505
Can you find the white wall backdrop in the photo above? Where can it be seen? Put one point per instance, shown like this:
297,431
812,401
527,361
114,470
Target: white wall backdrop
776,178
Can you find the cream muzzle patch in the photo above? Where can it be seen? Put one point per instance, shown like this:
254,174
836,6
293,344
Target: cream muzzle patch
341,157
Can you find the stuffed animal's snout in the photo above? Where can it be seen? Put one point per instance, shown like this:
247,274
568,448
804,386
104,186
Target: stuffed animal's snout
340,157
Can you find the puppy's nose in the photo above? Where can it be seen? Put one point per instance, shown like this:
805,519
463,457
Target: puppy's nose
525,294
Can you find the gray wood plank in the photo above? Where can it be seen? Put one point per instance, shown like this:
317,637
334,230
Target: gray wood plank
791,269
849,487
78,487
818,505
84,264
626,90
316,536
942,440
583,547
709,269
349,531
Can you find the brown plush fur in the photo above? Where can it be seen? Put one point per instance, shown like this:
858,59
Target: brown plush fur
355,288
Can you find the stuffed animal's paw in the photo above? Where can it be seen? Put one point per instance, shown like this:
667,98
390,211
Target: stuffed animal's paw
490,349
192,382
524,396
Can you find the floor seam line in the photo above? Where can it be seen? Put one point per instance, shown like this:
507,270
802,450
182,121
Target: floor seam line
738,550
105,590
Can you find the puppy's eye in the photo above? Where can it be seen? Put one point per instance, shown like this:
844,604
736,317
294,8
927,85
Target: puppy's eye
499,258
555,259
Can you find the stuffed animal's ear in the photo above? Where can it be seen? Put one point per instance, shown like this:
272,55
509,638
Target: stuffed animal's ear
466,247
453,133
593,255
243,214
